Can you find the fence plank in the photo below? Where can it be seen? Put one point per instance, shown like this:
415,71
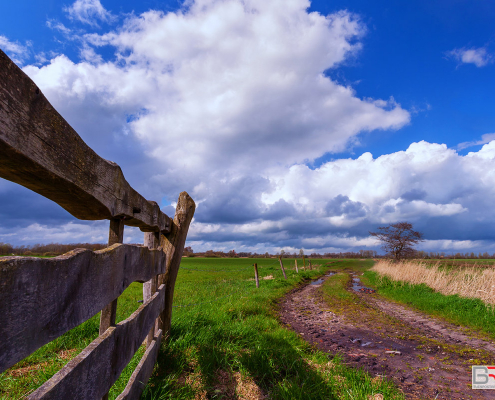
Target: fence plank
93,372
43,298
143,371
41,151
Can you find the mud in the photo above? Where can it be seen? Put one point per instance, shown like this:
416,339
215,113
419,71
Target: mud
427,358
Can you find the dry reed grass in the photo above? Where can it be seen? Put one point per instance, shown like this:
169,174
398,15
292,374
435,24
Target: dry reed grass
472,281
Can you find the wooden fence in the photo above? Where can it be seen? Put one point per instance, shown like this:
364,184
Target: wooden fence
41,299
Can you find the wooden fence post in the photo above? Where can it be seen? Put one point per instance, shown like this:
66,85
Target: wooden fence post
304,263
282,266
173,246
310,266
152,241
115,235
108,314
256,275
297,269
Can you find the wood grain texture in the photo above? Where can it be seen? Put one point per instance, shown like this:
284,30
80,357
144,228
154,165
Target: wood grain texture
109,312
152,241
41,299
143,371
41,151
173,246
93,372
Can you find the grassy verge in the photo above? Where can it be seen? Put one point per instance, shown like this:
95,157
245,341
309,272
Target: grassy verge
462,311
351,265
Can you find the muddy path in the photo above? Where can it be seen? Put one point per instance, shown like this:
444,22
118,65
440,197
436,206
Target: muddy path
427,358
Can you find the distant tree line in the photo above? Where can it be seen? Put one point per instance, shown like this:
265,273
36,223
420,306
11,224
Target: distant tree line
469,255
189,252
55,249
52,249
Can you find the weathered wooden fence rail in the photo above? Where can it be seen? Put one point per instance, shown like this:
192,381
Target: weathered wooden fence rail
41,299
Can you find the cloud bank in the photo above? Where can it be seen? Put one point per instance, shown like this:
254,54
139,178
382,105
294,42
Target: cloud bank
229,100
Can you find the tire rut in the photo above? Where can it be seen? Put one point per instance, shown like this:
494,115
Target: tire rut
427,358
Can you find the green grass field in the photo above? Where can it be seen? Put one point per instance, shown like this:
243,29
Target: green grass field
226,341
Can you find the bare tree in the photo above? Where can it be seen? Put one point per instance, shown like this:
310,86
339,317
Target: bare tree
398,239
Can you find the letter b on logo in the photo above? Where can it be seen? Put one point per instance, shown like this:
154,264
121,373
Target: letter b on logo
480,375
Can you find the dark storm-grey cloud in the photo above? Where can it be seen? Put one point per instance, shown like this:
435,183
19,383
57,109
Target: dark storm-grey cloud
21,207
414,194
234,201
341,205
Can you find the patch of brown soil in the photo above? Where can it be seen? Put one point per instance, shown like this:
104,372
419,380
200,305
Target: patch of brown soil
426,358
232,386
67,354
195,381
19,372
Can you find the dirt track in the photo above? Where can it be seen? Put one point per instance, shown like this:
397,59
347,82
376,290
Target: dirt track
427,358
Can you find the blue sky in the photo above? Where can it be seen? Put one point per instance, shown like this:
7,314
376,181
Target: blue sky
293,124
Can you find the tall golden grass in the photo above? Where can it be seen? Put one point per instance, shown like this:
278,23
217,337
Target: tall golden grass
471,281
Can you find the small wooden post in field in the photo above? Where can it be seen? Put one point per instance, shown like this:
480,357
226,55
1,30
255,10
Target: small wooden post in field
310,266
282,266
256,277
297,269
304,263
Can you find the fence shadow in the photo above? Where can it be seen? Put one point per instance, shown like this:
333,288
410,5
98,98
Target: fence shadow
229,362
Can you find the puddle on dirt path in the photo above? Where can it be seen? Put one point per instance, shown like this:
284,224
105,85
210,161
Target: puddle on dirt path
321,280
358,287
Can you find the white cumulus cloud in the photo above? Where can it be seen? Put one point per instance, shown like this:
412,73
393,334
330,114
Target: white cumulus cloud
223,87
88,12
477,56
17,52
486,138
